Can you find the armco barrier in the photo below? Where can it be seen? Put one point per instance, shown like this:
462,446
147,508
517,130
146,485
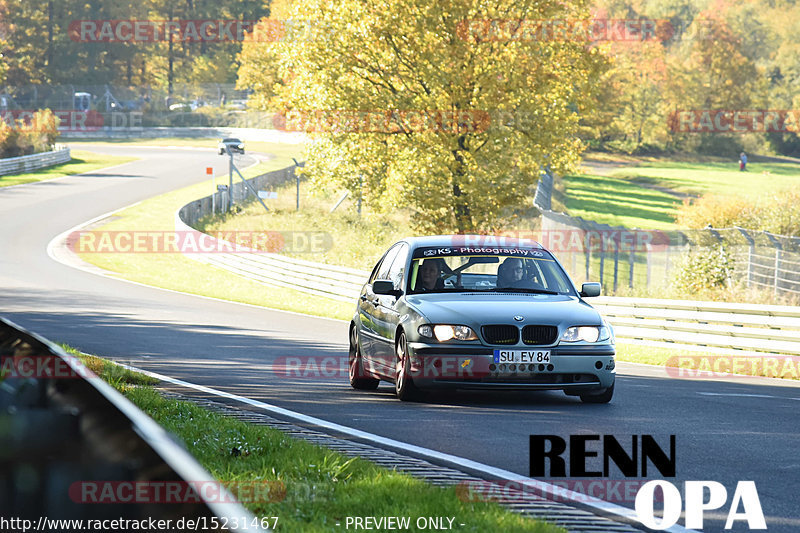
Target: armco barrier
715,326
62,428
26,163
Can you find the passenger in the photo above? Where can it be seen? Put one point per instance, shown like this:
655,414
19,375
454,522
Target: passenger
429,273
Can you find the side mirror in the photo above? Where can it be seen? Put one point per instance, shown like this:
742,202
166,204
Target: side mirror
590,289
384,286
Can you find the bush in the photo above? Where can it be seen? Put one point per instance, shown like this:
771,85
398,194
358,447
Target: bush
704,269
778,213
29,137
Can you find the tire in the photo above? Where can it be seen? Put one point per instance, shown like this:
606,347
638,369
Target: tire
603,397
358,378
404,385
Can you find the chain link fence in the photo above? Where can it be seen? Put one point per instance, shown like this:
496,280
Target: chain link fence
623,257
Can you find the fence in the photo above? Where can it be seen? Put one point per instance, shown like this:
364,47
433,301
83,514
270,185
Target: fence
63,427
26,163
618,256
109,97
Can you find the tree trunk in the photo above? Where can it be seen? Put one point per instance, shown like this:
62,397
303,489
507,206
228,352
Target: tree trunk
461,208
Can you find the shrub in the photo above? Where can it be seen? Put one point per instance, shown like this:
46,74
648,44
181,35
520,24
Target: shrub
28,137
703,269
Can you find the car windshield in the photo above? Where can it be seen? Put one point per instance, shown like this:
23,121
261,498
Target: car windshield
507,270
231,140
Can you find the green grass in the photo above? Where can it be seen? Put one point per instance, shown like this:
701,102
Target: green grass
110,372
350,240
619,202
721,178
308,487
178,272
625,196
680,357
81,162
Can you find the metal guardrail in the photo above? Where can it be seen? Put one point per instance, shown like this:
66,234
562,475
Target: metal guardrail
26,163
717,326
62,429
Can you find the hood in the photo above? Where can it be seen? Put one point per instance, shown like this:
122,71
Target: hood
500,308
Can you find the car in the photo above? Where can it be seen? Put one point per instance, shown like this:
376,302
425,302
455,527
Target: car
478,312
235,145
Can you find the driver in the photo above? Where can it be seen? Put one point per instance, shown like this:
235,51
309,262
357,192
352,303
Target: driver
429,279
511,274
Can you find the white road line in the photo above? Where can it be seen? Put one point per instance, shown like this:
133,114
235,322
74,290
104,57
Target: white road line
745,395
602,507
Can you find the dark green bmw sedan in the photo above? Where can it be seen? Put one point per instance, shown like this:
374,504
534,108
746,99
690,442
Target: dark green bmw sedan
470,312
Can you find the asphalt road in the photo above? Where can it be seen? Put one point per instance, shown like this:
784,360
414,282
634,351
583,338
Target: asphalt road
726,431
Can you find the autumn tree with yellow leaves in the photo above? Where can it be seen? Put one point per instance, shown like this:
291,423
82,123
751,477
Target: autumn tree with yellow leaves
449,108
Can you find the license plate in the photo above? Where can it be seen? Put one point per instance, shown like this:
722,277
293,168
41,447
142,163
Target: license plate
522,356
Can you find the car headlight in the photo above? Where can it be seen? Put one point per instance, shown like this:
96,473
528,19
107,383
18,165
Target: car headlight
445,332
586,334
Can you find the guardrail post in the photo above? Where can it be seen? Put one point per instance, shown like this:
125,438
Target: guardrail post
616,264
632,259
750,251
778,249
587,250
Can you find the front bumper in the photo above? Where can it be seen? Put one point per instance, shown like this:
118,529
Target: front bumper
573,368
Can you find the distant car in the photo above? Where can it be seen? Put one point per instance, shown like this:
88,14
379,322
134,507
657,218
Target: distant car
235,145
187,106
448,311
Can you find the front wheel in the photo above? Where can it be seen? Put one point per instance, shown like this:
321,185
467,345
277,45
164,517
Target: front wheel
603,397
358,378
404,385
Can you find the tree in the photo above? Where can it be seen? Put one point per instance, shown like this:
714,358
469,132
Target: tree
458,114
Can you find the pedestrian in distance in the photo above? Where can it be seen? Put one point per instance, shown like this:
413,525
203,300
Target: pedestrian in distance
742,162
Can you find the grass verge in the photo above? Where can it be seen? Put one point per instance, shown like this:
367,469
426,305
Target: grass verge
178,272
82,161
354,240
308,487
703,363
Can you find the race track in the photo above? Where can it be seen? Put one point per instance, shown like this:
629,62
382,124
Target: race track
726,430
